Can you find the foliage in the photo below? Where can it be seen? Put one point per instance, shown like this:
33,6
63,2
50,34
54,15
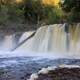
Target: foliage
3,14
36,11
52,14
10,12
33,10
72,7
69,5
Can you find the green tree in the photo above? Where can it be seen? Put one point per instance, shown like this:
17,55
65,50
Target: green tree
33,10
72,8
10,12
37,12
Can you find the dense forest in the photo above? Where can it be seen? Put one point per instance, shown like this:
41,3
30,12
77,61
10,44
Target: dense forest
30,14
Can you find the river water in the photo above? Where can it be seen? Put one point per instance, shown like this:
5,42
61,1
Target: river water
50,46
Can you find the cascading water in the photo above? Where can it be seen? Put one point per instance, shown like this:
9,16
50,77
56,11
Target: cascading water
51,39
52,45
75,40
6,43
55,39
9,42
47,39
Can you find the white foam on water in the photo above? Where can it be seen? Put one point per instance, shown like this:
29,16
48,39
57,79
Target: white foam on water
38,55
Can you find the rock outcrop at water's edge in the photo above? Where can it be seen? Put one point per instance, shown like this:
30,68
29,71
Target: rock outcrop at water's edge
62,72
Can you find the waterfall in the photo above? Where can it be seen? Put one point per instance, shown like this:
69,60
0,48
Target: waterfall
50,38
54,39
6,43
10,41
75,40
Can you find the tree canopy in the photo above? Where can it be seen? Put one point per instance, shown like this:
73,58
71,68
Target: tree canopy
36,12
72,8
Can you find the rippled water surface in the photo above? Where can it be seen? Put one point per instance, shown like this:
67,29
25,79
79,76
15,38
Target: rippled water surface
20,68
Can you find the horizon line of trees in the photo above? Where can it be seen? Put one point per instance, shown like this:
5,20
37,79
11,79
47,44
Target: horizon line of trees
34,12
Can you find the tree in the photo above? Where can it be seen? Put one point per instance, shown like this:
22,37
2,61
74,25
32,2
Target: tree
33,10
10,12
72,8
37,12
